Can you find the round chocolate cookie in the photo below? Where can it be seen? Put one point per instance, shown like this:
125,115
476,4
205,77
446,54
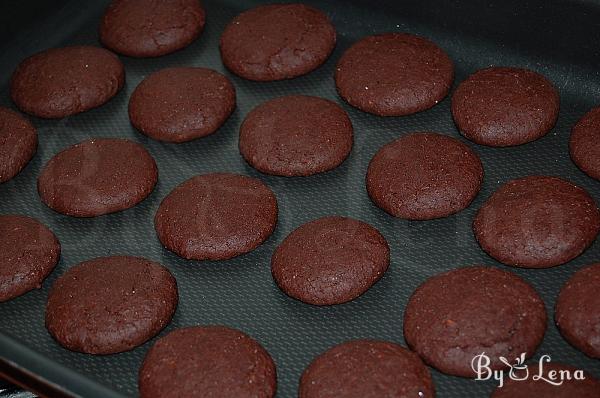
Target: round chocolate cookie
578,310
97,177
394,74
207,362
180,104
505,106
150,28
296,135
543,387
330,260
456,315
366,369
422,176
277,41
65,81
585,143
29,251
216,216
537,222
18,143
110,304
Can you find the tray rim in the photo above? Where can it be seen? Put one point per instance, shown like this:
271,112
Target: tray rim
41,375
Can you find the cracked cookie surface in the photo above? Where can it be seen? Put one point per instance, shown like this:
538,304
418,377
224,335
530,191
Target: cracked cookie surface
151,28
277,41
330,260
584,144
216,216
456,315
18,143
422,176
296,135
110,304
501,106
207,362
29,251
577,311
97,177
65,81
537,222
366,369
394,74
181,104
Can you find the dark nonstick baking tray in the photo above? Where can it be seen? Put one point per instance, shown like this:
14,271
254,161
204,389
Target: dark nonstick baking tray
560,39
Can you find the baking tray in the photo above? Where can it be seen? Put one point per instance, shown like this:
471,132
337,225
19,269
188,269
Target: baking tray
558,39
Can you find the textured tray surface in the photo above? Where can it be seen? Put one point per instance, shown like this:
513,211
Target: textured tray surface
556,40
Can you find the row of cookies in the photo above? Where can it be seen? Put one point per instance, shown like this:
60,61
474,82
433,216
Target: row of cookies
419,176
113,304
388,75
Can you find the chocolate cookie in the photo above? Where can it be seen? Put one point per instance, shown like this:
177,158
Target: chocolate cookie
65,81
366,369
18,143
150,28
97,177
537,222
585,143
456,315
180,104
216,216
394,74
578,310
29,251
277,41
296,135
110,304
543,388
505,106
207,361
422,176
330,260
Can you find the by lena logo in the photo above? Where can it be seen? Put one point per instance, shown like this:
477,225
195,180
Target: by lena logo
519,371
